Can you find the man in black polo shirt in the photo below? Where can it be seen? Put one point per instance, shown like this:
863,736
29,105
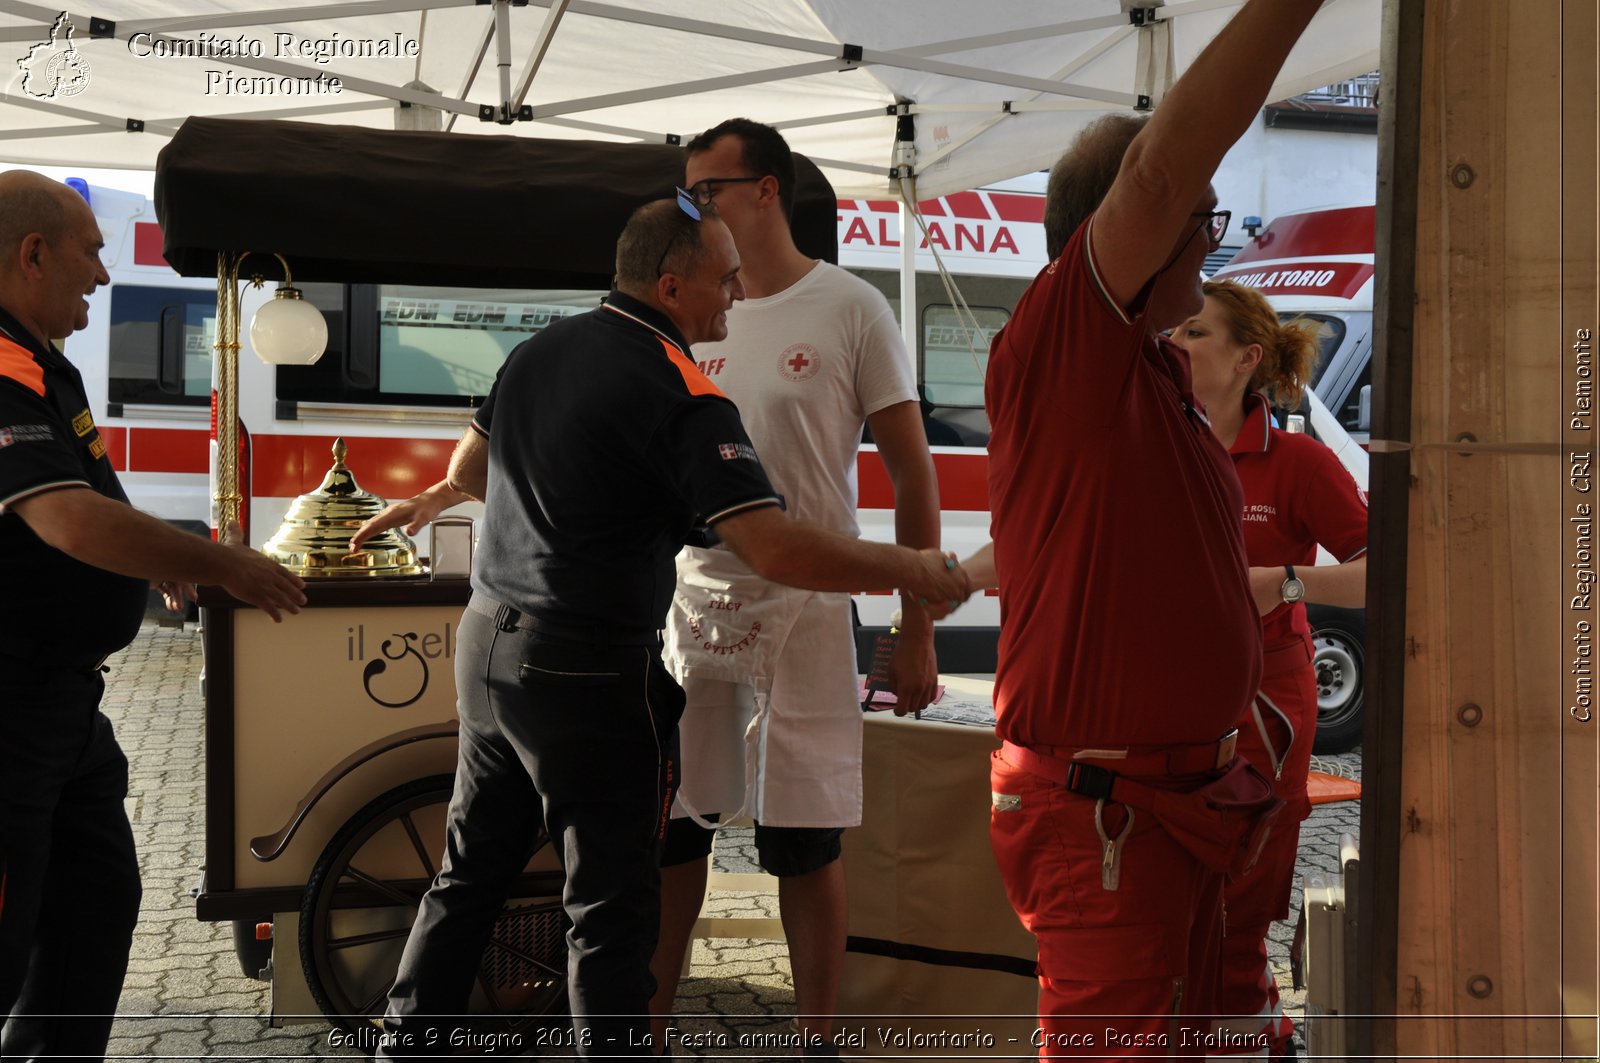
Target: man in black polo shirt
75,563
599,449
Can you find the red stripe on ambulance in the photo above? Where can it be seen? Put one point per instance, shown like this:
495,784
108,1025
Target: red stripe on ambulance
285,466
1342,231
963,481
147,244
116,446
1013,206
168,450
1334,280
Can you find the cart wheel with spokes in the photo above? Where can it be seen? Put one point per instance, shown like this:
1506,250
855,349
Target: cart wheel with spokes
362,898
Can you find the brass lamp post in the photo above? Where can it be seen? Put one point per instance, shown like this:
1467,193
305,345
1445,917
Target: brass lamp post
287,331
314,539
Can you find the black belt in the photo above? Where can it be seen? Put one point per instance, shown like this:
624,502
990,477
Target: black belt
507,618
14,666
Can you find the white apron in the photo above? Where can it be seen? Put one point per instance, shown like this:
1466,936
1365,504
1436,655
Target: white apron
732,640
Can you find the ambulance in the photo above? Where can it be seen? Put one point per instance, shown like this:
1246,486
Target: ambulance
406,366
1317,266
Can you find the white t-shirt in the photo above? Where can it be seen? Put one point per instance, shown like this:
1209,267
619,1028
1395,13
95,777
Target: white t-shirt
806,367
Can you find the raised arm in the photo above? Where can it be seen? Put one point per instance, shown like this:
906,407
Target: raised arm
1169,165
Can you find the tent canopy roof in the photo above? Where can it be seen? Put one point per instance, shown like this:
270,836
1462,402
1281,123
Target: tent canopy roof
983,91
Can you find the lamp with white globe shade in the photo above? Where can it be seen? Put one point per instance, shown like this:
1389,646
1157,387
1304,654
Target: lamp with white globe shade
288,330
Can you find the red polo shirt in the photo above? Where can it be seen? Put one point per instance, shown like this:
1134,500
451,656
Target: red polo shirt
1126,614
1296,495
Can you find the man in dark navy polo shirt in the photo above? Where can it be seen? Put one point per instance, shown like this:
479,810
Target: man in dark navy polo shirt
75,563
598,451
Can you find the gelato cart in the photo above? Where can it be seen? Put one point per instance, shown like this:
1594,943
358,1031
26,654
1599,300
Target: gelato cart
330,738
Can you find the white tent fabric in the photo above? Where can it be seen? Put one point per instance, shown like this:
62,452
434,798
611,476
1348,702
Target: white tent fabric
991,89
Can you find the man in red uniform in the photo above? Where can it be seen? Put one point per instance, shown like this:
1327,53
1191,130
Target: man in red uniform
1114,504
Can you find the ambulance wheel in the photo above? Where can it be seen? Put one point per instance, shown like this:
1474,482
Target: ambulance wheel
1338,639
362,898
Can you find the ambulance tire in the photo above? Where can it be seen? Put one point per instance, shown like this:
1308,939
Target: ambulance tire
1338,643
354,923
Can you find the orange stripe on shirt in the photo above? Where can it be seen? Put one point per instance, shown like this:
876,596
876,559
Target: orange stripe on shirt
697,382
16,363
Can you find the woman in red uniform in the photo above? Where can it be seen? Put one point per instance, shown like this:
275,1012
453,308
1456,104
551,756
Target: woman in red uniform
1296,497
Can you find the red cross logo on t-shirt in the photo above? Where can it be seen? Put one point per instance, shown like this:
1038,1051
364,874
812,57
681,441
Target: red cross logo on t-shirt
798,362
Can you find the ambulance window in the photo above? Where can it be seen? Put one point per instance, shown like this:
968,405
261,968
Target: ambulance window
955,357
429,346
1350,413
448,343
160,345
955,352
1330,332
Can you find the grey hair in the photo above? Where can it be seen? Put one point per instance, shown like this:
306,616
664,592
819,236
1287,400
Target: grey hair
1081,178
659,228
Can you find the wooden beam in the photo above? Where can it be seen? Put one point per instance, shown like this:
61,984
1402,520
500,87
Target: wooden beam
1483,805
1372,987
1579,964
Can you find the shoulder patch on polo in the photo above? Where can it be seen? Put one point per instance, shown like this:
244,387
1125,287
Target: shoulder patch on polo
16,363
697,382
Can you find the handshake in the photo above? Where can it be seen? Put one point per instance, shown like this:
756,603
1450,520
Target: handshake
942,587
777,547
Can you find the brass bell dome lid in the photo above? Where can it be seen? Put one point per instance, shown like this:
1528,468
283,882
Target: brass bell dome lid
314,538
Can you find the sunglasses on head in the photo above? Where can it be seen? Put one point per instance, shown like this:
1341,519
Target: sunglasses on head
687,205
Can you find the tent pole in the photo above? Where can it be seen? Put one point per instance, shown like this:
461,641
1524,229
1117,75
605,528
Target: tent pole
908,273
905,173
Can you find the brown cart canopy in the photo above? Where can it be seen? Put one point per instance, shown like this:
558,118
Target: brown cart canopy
355,205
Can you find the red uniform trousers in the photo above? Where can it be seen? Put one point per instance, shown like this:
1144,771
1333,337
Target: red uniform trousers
1252,902
1128,922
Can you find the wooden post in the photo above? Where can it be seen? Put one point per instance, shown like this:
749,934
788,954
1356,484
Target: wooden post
1580,323
1492,824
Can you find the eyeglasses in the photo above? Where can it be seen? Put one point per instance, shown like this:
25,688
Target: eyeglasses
703,191
1216,225
687,205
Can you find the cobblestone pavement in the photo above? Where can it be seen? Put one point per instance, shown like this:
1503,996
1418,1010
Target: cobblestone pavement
185,997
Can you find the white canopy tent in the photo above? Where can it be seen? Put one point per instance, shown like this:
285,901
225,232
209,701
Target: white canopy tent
950,93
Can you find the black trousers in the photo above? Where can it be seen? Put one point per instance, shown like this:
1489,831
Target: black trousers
580,738
72,888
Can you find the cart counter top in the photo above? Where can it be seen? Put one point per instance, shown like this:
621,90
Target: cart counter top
344,593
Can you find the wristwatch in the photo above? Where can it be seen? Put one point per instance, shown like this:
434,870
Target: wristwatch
1293,590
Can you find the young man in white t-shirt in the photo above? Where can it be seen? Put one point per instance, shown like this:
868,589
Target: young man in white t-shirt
773,725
